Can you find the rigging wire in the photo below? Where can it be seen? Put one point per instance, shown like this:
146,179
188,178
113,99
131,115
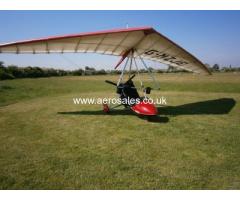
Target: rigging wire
130,66
149,71
141,83
70,61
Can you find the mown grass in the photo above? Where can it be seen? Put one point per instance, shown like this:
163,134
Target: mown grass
47,142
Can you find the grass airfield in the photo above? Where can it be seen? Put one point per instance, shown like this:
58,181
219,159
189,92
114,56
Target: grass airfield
47,142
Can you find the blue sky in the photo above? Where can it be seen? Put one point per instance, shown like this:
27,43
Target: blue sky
212,36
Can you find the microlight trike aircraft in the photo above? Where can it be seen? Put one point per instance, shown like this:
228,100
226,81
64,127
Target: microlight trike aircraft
142,43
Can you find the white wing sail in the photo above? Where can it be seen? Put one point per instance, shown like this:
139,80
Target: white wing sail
146,42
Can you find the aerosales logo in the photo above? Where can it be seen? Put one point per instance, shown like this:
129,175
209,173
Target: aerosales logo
124,101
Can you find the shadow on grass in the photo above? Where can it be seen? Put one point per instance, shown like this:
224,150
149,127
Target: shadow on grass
217,106
213,107
154,119
98,112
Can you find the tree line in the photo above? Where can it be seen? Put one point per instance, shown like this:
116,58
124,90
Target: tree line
13,71
217,68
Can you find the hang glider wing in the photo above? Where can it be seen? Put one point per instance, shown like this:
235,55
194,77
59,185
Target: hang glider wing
146,42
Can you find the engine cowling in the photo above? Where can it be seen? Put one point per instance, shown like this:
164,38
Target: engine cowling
145,108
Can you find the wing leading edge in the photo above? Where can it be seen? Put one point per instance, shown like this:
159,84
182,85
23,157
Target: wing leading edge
146,42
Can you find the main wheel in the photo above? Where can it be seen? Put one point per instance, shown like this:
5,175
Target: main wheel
106,108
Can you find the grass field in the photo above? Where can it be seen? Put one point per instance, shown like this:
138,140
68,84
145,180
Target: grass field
47,142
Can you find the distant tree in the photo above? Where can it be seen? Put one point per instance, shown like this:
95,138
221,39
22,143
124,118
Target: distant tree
28,72
38,72
16,71
101,72
1,64
215,67
172,69
78,72
160,71
115,72
62,72
4,74
90,70
225,69
230,69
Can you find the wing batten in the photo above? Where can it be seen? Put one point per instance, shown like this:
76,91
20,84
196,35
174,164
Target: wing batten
120,43
77,45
